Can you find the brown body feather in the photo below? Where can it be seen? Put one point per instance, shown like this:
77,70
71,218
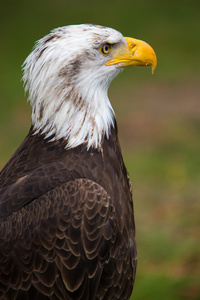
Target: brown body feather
67,223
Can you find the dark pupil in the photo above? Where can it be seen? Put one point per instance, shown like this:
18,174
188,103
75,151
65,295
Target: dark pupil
106,48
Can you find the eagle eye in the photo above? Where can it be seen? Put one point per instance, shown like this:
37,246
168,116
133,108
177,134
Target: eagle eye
105,48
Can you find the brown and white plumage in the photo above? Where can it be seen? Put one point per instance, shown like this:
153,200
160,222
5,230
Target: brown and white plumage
67,225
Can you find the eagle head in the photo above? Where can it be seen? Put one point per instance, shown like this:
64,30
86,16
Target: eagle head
67,76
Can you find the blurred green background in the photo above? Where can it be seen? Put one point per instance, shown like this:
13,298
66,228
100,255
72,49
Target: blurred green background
158,119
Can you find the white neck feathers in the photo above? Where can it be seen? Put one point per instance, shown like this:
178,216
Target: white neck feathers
75,116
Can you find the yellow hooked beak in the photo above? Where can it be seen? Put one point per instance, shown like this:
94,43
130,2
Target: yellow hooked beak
134,53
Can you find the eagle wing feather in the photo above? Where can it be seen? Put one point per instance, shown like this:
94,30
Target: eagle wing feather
69,230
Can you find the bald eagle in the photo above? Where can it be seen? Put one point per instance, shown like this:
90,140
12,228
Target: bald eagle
67,225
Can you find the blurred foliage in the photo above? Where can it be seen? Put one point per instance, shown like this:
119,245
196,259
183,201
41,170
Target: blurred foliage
158,118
